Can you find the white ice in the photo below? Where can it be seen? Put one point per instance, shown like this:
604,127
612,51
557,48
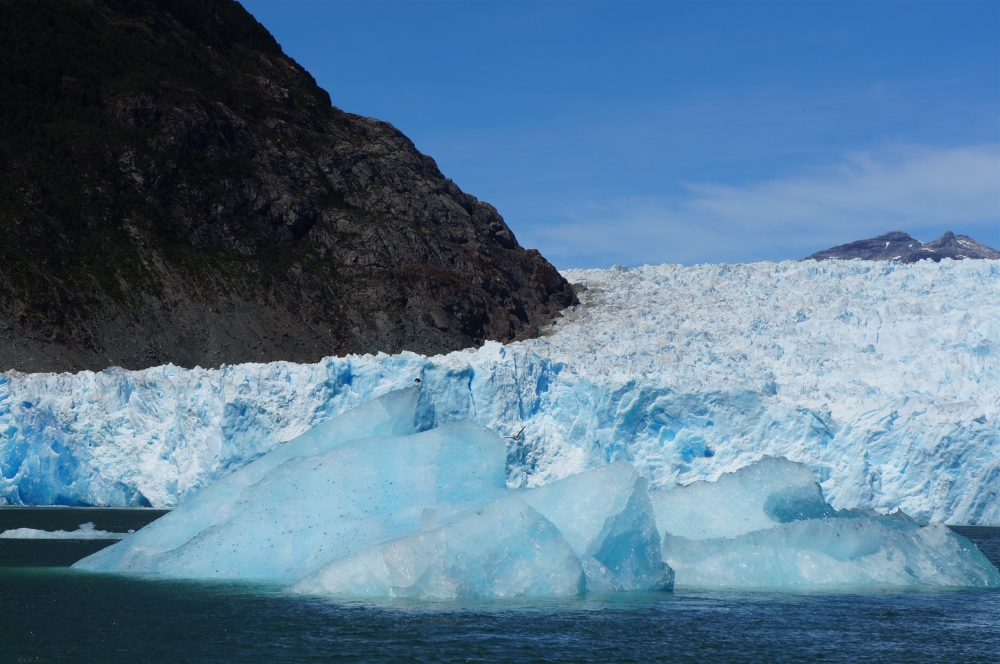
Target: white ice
881,378
767,525
86,531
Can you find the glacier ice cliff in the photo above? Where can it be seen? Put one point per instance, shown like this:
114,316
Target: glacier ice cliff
880,378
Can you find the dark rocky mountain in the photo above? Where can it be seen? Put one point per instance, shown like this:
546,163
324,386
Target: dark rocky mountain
898,246
174,188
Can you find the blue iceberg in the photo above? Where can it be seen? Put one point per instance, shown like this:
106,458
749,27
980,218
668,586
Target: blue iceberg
767,525
363,505
502,549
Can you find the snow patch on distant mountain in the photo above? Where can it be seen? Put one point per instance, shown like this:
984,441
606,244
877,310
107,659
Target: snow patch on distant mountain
908,249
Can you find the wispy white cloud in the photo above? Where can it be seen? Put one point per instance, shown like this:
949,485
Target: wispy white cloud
921,191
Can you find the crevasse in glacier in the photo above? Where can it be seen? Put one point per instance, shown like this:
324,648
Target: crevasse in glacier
767,525
879,377
343,510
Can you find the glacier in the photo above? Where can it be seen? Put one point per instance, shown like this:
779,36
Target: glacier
879,377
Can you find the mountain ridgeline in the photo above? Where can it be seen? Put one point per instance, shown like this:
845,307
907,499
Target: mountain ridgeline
902,247
174,188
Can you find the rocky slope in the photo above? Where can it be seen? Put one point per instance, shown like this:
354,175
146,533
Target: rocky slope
899,246
174,188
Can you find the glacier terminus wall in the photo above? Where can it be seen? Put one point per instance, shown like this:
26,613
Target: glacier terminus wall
882,378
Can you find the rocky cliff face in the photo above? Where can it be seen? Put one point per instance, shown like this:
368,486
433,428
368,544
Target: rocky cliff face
899,246
173,188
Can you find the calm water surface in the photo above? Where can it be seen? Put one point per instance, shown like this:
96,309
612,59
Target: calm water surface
56,614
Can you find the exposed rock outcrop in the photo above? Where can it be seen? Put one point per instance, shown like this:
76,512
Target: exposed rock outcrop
899,246
174,188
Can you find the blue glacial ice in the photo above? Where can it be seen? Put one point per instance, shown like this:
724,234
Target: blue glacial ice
294,513
767,525
761,495
880,378
607,517
392,415
423,515
502,549
342,510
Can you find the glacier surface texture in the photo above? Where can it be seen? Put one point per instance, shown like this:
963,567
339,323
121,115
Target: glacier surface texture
412,514
881,378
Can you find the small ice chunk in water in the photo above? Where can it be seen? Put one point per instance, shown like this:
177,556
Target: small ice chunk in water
86,531
503,549
767,525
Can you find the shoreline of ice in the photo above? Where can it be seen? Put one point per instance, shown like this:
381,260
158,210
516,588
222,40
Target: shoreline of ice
874,375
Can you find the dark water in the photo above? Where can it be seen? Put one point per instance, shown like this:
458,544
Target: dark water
59,615
63,553
112,519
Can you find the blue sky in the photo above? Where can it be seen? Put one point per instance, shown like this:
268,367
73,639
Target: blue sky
682,132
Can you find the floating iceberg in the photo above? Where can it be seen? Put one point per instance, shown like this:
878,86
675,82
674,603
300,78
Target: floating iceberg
607,517
767,525
364,505
881,378
343,510
503,549
765,493
161,549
